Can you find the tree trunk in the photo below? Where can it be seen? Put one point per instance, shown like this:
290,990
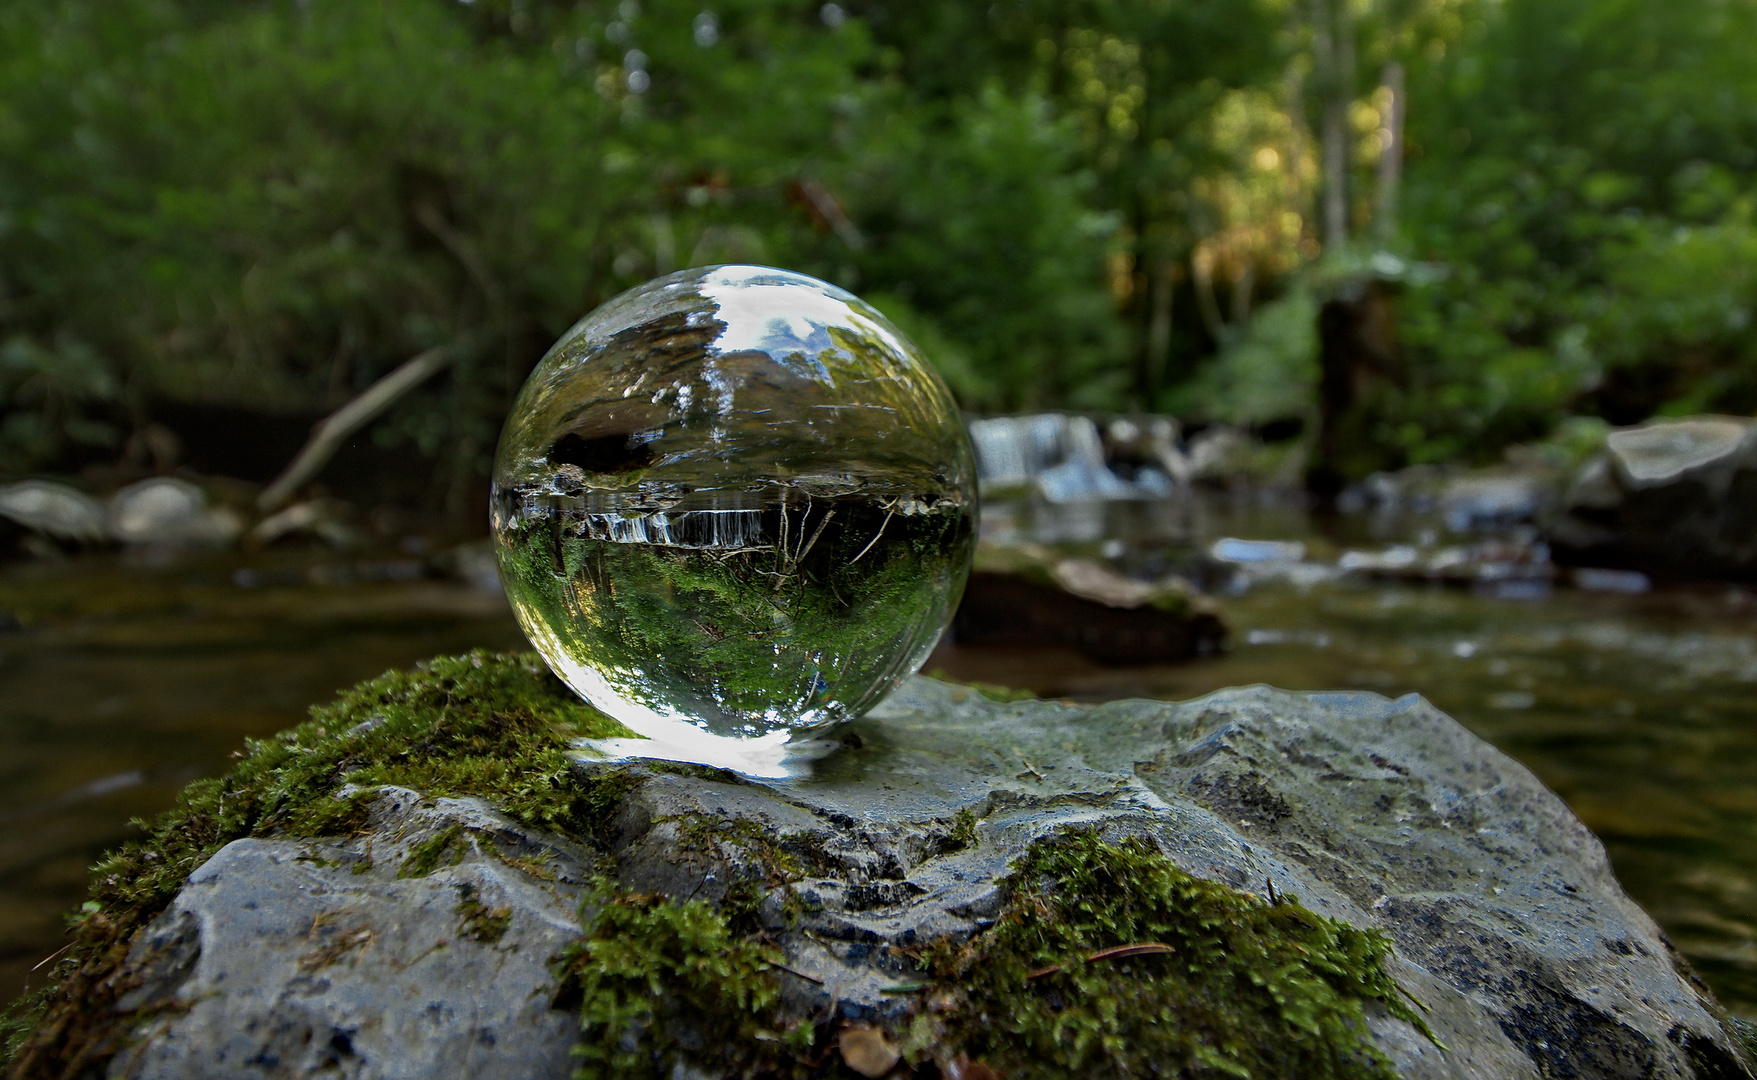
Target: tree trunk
1390,154
1333,53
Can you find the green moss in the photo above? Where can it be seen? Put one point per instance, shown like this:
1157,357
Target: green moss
964,829
783,857
431,853
1744,1032
497,726
1250,987
991,691
648,969
479,921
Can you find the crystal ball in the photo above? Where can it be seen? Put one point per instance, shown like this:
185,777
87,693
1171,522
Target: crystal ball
733,504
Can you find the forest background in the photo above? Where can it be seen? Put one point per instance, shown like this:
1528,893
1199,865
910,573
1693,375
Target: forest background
221,220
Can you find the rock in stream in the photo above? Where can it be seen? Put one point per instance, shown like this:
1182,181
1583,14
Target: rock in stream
421,946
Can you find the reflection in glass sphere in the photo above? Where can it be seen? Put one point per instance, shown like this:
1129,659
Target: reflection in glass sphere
732,504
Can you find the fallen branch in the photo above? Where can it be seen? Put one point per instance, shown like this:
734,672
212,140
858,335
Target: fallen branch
1145,948
330,432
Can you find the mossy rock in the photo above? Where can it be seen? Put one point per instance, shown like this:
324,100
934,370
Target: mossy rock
433,877
1024,595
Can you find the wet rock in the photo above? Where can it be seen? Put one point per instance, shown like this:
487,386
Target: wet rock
1485,501
1218,452
290,958
1672,498
1025,595
1493,501
285,958
171,512
474,562
1257,562
1495,566
55,510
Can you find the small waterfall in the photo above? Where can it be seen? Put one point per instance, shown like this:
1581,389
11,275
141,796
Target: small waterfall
1062,456
717,529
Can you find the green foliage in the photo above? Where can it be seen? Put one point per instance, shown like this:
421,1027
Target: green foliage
736,633
1249,987
270,205
1679,314
996,208
648,967
1581,170
483,724
1270,373
51,400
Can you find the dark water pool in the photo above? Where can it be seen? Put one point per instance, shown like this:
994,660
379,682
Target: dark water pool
120,683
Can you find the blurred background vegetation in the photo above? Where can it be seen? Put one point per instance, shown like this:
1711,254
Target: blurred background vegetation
221,221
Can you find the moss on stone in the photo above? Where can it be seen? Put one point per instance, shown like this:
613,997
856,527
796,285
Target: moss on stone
497,726
478,921
991,691
1225,983
1222,982
440,849
782,857
661,985
1236,984
964,829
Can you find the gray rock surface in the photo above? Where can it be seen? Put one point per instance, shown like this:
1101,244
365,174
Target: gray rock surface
303,959
288,958
57,510
1673,498
169,511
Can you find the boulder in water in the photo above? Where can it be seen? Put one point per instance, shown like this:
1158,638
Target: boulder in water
168,511
56,510
1672,498
966,884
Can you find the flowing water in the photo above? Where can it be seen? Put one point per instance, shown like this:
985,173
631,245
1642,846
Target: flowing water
118,684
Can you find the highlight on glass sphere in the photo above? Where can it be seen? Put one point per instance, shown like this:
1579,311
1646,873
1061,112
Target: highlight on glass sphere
733,504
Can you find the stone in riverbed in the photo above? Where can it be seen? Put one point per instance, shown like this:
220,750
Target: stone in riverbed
1672,498
290,957
1025,595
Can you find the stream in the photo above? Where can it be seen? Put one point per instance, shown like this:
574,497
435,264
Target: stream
122,678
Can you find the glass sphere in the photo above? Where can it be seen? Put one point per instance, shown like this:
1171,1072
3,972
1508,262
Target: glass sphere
732,504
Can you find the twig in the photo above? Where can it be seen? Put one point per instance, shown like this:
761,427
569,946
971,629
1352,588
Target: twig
69,945
795,974
1119,952
334,429
875,536
809,544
